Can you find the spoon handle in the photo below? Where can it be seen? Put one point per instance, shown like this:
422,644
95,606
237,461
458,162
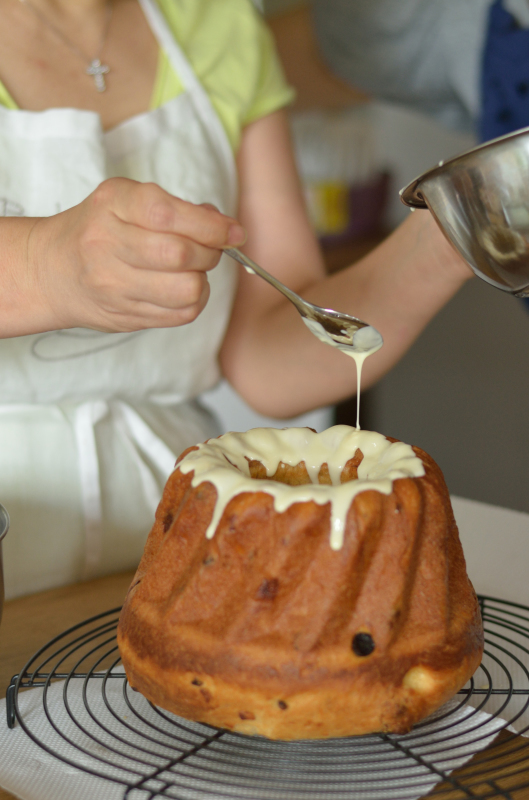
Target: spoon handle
253,267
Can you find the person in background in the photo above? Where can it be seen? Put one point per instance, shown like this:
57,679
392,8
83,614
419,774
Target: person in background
137,140
465,62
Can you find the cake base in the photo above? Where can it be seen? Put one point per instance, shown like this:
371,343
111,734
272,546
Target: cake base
342,706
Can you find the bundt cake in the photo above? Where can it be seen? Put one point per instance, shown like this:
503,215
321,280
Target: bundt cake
302,585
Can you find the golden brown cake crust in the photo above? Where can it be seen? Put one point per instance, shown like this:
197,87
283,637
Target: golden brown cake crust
253,630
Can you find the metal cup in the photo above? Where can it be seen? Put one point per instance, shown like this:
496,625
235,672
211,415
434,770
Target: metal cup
480,200
4,527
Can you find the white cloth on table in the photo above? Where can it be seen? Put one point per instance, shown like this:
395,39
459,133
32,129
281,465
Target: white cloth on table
33,774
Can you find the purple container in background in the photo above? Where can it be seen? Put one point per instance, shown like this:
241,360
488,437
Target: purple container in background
367,204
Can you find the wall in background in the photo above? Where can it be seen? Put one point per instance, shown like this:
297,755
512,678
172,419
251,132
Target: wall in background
462,394
408,143
462,391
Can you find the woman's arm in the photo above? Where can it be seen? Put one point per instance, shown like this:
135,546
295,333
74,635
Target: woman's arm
268,355
128,257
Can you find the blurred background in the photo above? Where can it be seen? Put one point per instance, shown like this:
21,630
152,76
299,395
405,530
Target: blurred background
462,391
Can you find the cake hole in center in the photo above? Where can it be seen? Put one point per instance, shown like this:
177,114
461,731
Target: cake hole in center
285,473
350,471
298,475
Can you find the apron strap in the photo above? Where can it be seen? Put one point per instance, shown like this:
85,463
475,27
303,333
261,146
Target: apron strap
141,442
191,83
86,417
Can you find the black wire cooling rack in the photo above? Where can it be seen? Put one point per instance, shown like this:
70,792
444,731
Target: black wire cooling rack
87,716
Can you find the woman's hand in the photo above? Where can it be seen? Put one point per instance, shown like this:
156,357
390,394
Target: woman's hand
129,257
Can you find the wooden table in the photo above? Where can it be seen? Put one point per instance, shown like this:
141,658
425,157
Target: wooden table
30,622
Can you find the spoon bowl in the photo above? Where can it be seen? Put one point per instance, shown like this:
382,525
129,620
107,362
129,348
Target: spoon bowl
343,331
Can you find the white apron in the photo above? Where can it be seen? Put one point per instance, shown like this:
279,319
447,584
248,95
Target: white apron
91,423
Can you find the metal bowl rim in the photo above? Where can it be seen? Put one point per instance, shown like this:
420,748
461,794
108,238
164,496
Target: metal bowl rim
410,194
4,522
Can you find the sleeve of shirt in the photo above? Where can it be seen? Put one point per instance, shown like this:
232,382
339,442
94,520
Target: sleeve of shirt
5,98
272,91
233,54
425,54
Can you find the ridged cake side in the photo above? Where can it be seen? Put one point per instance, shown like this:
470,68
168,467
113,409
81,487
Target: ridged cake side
256,629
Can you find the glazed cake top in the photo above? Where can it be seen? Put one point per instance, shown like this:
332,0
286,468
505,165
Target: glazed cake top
224,462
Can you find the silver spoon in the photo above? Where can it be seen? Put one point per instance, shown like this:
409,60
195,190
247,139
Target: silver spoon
332,327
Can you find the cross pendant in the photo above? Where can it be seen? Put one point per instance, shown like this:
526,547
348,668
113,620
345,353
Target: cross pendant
98,70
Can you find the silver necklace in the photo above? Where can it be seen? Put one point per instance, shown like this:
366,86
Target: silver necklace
95,68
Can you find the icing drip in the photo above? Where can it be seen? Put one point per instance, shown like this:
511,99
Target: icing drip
224,463
366,341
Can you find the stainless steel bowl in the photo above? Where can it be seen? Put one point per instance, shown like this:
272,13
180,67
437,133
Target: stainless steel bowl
480,200
4,527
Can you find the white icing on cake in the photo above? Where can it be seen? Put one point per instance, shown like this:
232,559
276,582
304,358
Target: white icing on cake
224,463
366,341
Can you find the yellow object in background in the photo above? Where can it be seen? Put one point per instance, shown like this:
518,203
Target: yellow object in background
345,182
328,206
